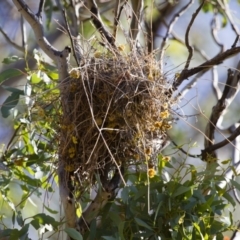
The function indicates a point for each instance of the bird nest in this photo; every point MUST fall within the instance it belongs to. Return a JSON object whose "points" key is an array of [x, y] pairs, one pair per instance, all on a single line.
{"points": [[116, 110]]}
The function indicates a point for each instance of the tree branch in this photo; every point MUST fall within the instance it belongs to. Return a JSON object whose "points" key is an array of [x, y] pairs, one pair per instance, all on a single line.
{"points": [[62, 60], [169, 30], [189, 47], [206, 65], [18, 47], [37, 28], [99, 24]]}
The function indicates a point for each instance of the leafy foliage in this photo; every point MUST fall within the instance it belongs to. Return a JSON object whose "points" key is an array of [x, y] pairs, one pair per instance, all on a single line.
{"points": [[172, 209]]}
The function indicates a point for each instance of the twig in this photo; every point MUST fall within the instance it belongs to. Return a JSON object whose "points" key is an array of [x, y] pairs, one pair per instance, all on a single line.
{"points": [[189, 47], [120, 10], [40, 8], [116, 19], [71, 39], [23, 30], [183, 151], [221, 144], [137, 6], [206, 65], [214, 31], [235, 41], [18, 47], [169, 29], [99, 24], [33, 20], [226, 10], [217, 111]]}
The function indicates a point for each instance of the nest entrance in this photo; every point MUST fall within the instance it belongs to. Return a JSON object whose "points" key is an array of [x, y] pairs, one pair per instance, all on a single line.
{"points": [[115, 111]]}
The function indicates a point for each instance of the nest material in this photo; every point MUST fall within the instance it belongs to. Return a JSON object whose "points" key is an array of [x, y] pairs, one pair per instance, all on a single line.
{"points": [[115, 111]]}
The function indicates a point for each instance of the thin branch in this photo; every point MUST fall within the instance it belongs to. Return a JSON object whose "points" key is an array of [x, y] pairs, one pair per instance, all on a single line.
{"points": [[206, 65], [71, 39], [23, 30], [221, 144], [37, 27], [217, 111], [189, 47], [99, 24], [183, 151], [116, 18], [227, 11], [18, 47], [169, 30], [120, 11], [235, 41], [214, 31], [137, 6], [40, 8]]}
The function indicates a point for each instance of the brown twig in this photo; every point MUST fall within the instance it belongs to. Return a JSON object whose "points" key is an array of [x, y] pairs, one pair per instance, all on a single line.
{"points": [[206, 65], [212, 148], [40, 8], [116, 19], [189, 47], [18, 47], [99, 24]]}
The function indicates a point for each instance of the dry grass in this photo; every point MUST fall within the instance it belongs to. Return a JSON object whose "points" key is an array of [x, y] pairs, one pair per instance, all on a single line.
{"points": [[116, 111]]}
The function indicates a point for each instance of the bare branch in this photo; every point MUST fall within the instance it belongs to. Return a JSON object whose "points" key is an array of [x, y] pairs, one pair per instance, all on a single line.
{"points": [[214, 31], [217, 111], [137, 6], [189, 47], [71, 39], [33, 20], [99, 24], [235, 41], [169, 29], [212, 148], [40, 8], [18, 47], [227, 11], [206, 65], [116, 18]]}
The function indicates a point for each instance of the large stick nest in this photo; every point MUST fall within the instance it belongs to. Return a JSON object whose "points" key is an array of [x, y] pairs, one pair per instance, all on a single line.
{"points": [[115, 111]]}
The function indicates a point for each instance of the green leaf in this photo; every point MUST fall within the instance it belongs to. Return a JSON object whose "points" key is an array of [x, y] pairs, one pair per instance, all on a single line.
{"points": [[229, 198], [73, 233], [9, 103], [50, 210], [142, 223], [13, 90], [235, 184], [43, 219], [181, 190], [11, 59], [20, 219], [9, 73]]}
